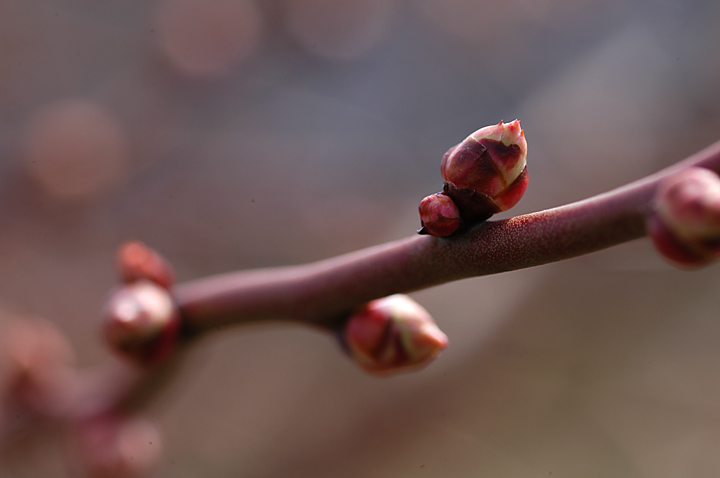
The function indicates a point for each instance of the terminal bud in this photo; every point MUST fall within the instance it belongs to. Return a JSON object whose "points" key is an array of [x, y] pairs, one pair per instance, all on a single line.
{"points": [[393, 334], [685, 224], [487, 172]]}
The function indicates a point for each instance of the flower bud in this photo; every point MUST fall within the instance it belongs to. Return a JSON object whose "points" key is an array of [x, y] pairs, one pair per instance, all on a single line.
{"points": [[141, 322], [393, 334], [685, 226], [36, 363], [111, 446], [136, 261], [487, 173], [439, 215]]}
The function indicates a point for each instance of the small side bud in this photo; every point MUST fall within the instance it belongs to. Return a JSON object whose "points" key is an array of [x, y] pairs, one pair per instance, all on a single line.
{"points": [[111, 446], [439, 215], [136, 261], [393, 334], [141, 322], [487, 172], [685, 224]]}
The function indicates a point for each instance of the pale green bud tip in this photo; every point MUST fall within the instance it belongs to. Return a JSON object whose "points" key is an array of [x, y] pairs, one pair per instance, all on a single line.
{"points": [[507, 133]]}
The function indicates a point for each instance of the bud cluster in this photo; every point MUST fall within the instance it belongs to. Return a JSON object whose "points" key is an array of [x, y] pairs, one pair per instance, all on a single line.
{"points": [[40, 386], [484, 175], [685, 223], [141, 321]]}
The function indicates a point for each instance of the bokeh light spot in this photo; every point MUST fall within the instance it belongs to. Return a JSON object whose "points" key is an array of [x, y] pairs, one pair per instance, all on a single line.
{"points": [[74, 148], [339, 29], [207, 38]]}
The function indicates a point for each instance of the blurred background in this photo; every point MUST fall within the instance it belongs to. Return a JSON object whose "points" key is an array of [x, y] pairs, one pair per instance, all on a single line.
{"points": [[233, 134]]}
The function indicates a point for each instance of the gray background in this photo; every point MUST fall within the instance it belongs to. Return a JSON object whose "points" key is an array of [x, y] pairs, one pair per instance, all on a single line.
{"points": [[282, 132]]}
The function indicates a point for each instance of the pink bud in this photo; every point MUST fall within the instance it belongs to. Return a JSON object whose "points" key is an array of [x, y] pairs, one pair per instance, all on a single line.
{"points": [[685, 226], [393, 334], [136, 261], [110, 446], [487, 173], [36, 363], [141, 322], [439, 215]]}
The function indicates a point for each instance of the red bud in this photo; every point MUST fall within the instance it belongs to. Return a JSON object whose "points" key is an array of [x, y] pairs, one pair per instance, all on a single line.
{"points": [[393, 334], [141, 322], [685, 226], [487, 173], [439, 215], [136, 261]]}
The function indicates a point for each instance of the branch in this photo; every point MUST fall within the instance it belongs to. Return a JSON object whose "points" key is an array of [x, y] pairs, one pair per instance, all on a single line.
{"points": [[323, 293], [152, 322]]}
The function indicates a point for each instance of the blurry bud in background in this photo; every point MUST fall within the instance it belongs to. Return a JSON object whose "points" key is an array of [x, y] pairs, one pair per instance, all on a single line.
{"points": [[136, 261], [339, 29], [36, 361], [208, 38], [110, 446], [141, 323], [75, 149], [393, 334], [685, 225], [487, 173], [439, 215]]}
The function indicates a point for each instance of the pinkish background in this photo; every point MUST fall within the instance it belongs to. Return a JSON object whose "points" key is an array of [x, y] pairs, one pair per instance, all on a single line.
{"points": [[233, 134]]}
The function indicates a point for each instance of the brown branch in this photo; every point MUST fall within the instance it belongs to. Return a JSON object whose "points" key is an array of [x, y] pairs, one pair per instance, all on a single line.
{"points": [[322, 293]]}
